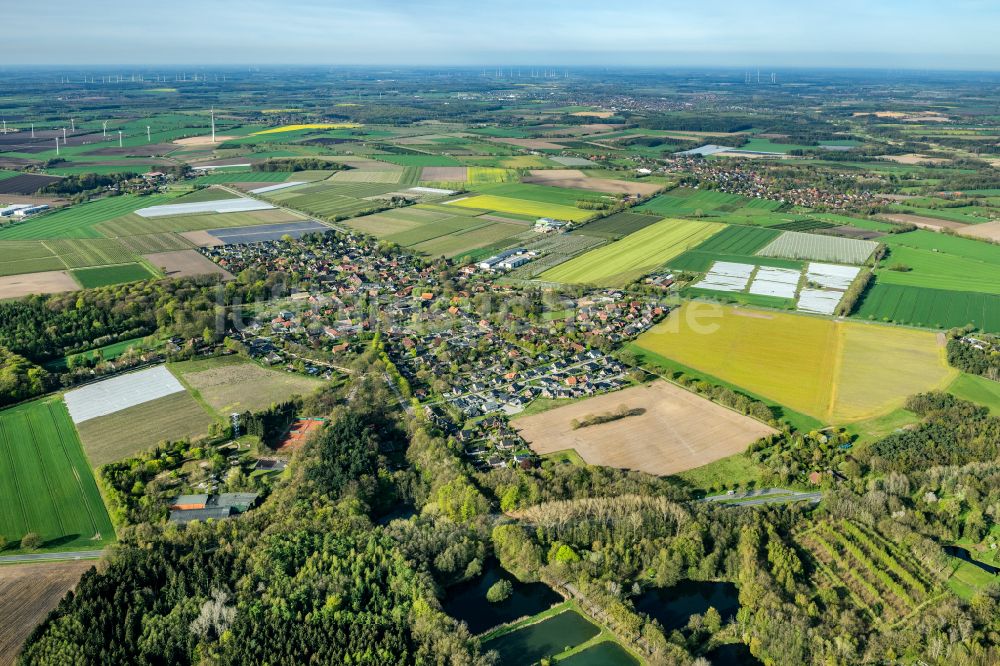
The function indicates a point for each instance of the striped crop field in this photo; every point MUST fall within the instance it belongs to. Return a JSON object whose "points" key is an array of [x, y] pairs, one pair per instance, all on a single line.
{"points": [[621, 262], [79, 221], [46, 485]]}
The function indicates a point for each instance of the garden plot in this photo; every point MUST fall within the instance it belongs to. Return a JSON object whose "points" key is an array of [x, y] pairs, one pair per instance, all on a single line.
{"points": [[727, 276], [119, 393], [797, 245], [223, 206], [780, 282], [273, 188]]}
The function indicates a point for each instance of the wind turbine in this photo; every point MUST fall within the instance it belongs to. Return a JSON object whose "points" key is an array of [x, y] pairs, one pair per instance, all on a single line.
{"points": [[32, 130], [213, 124], [147, 134], [119, 138], [4, 125], [57, 145], [64, 135], [104, 127], [72, 124]]}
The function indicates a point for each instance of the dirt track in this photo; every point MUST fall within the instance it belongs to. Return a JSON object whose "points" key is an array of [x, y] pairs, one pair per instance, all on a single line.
{"points": [[678, 430]]}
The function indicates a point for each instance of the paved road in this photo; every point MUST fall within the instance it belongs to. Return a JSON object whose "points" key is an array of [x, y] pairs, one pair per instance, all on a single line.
{"points": [[49, 557], [765, 496]]}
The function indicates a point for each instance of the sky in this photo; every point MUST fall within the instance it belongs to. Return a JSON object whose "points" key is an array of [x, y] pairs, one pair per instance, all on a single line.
{"points": [[917, 34]]}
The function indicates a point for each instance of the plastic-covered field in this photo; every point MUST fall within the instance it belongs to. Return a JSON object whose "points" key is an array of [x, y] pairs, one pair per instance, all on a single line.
{"points": [[727, 276], [830, 276], [780, 282], [114, 395], [222, 206]]}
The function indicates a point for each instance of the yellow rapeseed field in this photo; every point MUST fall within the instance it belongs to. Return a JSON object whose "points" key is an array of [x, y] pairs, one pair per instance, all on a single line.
{"points": [[835, 371], [523, 207], [293, 128]]}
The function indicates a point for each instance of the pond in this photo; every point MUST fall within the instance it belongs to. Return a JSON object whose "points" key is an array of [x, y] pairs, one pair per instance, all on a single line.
{"points": [[732, 654], [606, 653], [963, 554], [673, 606], [467, 601], [545, 639]]}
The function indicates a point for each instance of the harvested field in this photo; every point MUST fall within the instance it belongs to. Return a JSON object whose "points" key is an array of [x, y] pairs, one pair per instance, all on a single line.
{"points": [[27, 183], [576, 179], [678, 430], [385, 176], [127, 432], [29, 593], [530, 144], [232, 384], [183, 263], [851, 232], [932, 223], [202, 238], [47, 282], [440, 174], [988, 231], [203, 140]]}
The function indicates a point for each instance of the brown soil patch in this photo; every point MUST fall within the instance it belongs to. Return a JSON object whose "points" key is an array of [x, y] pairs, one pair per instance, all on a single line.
{"points": [[987, 231], [851, 232], [448, 174], [47, 282], [593, 114], [142, 151], [931, 223], [677, 431], [28, 592], [182, 263], [576, 179], [202, 238], [530, 144], [202, 140], [297, 435], [912, 158]]}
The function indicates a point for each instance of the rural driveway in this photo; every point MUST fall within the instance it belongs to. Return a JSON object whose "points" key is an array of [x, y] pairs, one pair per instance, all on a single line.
{"points": [[765, 496], [49, 557]]}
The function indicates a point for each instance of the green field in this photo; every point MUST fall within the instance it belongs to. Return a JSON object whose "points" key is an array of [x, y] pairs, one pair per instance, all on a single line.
{"points": [[734, 243], [623, 261], [940, 270], [103, 276], [979, 390], [932, 308], [46, 485], [79, 221], [616, 226]]}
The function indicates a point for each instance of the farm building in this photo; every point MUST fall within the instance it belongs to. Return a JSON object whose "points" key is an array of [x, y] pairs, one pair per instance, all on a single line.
{"points": [[507, 260], [187, 508], [544, 225]]}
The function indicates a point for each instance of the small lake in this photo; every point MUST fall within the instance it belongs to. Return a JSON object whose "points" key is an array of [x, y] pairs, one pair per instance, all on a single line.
{"points": [[545, 639], [963, 554], [467, 601], [673, 606], [732, 654], [606, 653]]}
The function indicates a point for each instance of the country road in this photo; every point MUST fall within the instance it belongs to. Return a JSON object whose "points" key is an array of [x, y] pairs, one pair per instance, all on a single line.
{"points": [[52, 557]]}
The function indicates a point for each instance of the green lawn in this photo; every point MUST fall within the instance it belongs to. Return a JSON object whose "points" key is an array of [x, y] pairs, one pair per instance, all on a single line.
{"points": [[103, 276], [46, 485], [737, 470], [979, 390]]}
